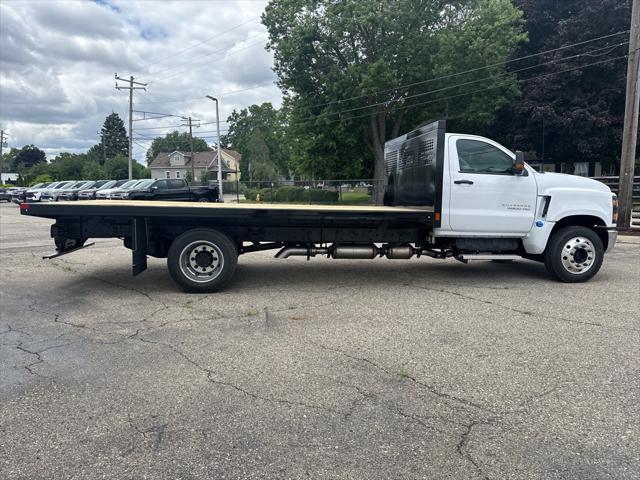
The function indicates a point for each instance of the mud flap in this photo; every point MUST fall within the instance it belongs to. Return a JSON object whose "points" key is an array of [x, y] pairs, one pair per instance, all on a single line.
{"points": [[139, 250]]}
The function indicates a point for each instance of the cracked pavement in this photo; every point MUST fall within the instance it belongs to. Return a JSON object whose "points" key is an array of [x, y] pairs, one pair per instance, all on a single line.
{"points": [[325, 369]]}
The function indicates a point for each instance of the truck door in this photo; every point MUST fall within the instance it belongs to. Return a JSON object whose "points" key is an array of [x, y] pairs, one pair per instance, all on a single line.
{"points": [[178, 190], [485, 196]]}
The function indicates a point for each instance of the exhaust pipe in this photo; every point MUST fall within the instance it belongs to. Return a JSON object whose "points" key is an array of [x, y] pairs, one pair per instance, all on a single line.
{"points": [[359, 252], [287, 252]]}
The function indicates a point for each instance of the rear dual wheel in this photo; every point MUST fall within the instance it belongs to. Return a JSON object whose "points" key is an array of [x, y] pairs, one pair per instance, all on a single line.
{"points": [[202, 260]]}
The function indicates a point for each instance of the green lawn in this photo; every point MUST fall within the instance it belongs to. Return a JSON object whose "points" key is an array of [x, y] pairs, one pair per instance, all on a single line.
{"points": [[355, 198]]}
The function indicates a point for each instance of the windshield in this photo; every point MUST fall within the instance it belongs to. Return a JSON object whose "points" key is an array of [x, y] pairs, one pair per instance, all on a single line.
{"points": [[37, 185], [80, 185], [104, 186], [100, 183], [144, 184], [128, 184], [64, 184]]}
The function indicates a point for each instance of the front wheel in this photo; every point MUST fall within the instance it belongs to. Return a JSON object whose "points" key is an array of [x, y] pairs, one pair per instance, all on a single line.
{"points": [[574, 254], [202, 260]]}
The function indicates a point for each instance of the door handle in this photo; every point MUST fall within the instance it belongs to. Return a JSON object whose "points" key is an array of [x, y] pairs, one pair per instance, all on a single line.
{"points": [[463, 182]]}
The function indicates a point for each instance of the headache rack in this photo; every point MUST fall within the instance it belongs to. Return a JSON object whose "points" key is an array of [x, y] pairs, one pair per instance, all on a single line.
{"points": [[414, 166]]}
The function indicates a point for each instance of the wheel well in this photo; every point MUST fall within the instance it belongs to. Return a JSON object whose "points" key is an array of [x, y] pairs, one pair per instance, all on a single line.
{"points": [[589, 221]]}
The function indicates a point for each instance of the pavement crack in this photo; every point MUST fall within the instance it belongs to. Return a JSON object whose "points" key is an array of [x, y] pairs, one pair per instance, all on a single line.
{"points": [[506, 307], [107, 282], [210, 375], [29, 367], [463, 451], [430, 388]]}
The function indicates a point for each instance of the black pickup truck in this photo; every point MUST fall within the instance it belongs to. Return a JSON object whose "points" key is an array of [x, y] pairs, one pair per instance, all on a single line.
{"points": [[173, 190]]}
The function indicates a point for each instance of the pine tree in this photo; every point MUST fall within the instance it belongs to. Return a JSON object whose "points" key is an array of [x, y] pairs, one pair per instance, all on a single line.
{"points": [[113, 138]]}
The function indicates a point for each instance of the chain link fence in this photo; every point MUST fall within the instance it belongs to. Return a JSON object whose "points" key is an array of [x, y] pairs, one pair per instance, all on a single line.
{"points": [[337, 192]]}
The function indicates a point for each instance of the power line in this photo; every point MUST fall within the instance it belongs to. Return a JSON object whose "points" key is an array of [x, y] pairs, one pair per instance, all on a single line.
{"points": [[471, 82], [403, 107], [180, 72], [191, 62], [218, 35], [219, 95], [444, 77]]}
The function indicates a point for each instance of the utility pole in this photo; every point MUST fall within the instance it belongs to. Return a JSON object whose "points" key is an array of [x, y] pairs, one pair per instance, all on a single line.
{"points": [[3, 137], [193, 171], [131, 88], [220, 193], [630, 133]]}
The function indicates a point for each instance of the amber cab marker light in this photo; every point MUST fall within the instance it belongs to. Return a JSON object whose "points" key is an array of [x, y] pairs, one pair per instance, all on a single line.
{"points": [[437, 216]]}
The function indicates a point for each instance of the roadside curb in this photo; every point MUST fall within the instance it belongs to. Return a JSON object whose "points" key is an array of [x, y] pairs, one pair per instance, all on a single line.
{"points": [[628, 239]]}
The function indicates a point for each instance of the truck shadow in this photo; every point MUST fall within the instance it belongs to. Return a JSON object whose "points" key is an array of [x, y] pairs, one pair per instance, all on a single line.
{"points": [[323, 274]]}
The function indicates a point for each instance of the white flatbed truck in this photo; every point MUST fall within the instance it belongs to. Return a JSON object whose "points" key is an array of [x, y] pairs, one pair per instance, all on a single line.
{"points": [[448, 195]]}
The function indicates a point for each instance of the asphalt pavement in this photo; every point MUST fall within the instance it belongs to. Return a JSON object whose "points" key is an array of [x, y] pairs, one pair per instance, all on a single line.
{"points": [[327, 369]]}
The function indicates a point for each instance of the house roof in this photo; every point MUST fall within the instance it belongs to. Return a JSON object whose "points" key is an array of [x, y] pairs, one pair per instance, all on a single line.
{"points": [[207, 160]]}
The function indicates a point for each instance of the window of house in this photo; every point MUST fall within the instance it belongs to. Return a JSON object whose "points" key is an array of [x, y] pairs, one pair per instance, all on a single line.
{"points": [[178, 174], [476, 156], [167, 174]]}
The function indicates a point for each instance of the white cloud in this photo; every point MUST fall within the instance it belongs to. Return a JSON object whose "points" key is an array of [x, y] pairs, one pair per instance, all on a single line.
{"points": [[57, 60]]}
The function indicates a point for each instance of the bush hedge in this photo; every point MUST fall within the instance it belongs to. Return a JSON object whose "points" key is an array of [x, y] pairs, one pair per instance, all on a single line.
{"points": [[291, 194]]}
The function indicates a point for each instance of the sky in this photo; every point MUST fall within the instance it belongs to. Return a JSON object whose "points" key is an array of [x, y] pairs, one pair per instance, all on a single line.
{"points": [[58, 60]]}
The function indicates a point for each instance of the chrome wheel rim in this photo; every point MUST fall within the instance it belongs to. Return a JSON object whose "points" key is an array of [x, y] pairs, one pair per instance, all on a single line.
{"points": [[201, 261], [578, 255]]}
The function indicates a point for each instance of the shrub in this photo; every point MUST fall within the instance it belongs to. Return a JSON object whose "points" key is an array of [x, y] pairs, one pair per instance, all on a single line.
{"points": [[42, 179]]}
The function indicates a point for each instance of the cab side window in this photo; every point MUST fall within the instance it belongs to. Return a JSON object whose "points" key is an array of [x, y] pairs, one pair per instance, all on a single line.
{"points": [[176, 184], [475, 156], [161, 184]]}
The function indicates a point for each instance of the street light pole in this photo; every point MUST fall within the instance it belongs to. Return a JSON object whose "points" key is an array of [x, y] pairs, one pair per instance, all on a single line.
{"points": [[220, 197]]}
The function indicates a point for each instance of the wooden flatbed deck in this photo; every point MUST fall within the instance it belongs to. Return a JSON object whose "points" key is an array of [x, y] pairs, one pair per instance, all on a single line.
{"points": [[139, 208]]}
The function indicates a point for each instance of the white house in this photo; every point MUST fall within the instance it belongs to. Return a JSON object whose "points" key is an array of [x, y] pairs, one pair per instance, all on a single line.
{"points": [[176, 164]]}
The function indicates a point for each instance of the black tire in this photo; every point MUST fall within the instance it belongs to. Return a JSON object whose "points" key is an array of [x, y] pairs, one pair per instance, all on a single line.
{"points": [[203, 199], [215, 247], [574, 254]]}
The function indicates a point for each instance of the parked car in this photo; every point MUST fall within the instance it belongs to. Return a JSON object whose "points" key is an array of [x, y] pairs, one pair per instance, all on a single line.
{"points": [[117, 193], [18, 194], [106, 193], [33, 194], [101, 185], [173, 190], [71, 193], [7, 192], [51, 194]]}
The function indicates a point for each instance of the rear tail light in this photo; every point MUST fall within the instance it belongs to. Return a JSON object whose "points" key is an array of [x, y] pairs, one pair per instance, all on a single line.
{"points": [[614, 211]]}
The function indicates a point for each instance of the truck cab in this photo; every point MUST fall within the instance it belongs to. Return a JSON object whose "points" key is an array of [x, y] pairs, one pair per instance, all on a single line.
{"points": [[487, 201]]}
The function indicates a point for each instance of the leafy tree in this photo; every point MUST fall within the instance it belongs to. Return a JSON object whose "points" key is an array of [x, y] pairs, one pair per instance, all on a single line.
{"points": [[68, 166], [9, 160], [42, 179], [188, 177], [113, 138], [28, 156], [272, 124], [327, 52], [92, 170], [175, 141], [259, 165], [573, 116], [117, 168], [95, 154], [206, 177]]}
